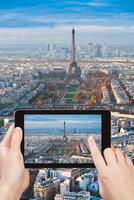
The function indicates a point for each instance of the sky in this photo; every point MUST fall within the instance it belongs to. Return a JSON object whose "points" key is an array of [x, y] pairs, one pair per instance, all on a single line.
{"points": [[51, 21], [57, 121]]}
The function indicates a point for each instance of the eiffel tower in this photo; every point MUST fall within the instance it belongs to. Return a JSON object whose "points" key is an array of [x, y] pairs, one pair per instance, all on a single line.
{"points": [[74, 72], [65, 135]]}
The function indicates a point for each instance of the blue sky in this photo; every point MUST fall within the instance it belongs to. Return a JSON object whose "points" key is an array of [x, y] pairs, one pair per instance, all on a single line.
{"points": [[37, 21], [57, 121]]}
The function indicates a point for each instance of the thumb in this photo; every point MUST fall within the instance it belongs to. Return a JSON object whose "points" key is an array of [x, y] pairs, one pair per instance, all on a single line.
{"points": [[16, 140]]}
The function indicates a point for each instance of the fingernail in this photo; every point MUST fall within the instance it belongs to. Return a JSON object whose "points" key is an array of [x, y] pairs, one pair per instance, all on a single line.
{"points": [[18, 130], [118, 150], [90, 138]]}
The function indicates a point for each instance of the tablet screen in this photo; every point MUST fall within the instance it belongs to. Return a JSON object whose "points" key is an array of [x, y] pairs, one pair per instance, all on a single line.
{"points": [[60, 138]]}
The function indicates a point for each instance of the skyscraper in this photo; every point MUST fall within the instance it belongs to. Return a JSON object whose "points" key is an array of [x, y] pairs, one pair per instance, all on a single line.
{"points": [[98, 51], [91, 50]]}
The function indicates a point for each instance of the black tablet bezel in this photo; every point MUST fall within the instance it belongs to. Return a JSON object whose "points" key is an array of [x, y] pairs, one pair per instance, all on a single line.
{"points": [[105, 137]]}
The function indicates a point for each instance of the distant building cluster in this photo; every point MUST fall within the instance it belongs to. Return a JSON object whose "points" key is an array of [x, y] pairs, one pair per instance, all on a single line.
{"points": [[97, 50], [62, 51]]}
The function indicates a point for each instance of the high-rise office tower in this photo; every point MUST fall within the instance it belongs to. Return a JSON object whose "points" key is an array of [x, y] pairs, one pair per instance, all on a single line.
{"points": [[98, 50], [91, 50]]}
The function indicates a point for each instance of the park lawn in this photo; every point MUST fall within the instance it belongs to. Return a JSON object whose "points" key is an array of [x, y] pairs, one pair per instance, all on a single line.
{"points": [[70, 95]]}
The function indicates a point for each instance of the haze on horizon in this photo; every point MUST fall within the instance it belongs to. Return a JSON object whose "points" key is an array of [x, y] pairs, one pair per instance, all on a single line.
{"points": [[49, 121]]}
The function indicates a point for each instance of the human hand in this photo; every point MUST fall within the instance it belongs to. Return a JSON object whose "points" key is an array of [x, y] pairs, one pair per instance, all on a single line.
{"points": [[116, 173], [14, 178]]}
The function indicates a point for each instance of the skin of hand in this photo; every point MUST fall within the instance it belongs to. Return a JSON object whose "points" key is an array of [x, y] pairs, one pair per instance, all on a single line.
{"points": [[115, 171], [14, 178]]}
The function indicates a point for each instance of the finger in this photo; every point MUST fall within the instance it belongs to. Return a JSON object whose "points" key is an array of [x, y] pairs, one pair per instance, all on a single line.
{"points": [[100, 186], [97, 157], [119, 156], [7, 138], [110, 157], [16, 140], [24, 184], [26, 179], [129, 161]]}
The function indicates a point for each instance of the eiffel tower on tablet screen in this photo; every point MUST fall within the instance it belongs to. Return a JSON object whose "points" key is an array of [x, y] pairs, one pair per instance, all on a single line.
{"points": [[74, 72], [65, 133]]}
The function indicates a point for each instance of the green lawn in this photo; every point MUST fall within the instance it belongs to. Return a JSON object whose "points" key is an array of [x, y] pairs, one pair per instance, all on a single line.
{"points": [[70, 95]]}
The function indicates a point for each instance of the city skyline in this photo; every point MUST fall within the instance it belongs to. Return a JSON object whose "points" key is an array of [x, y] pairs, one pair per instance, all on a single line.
{"points": [[40, 21], [57, 121]]}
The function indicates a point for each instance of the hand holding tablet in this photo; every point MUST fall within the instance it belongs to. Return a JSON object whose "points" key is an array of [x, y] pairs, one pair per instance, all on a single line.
{"points": [[114, 170], [60, 138], [115, 173]]}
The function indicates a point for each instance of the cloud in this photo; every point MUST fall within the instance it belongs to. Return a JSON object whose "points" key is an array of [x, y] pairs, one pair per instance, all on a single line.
{"points": [[91, 3], [43, 23], [66, 12], [62, 34], [6, 17], [98, 4], [14, 19]]}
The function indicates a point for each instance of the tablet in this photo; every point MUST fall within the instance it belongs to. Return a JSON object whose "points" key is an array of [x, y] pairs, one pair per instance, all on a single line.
{"points": [[59, 138]]}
